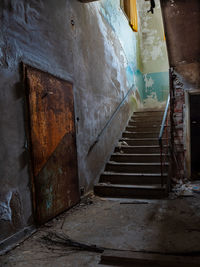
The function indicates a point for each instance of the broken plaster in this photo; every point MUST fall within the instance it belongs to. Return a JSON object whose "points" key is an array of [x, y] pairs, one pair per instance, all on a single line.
{"points": [[5, 210]]}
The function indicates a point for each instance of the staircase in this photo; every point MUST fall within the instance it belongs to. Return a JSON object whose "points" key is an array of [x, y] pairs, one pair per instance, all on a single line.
{"points": [[134, 169]]}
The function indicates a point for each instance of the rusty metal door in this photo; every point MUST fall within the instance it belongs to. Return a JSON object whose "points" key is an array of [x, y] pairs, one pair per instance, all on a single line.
{"points": [[53, 143]]}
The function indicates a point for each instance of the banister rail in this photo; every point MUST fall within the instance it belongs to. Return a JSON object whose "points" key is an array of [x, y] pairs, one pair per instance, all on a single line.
{"points": [[109, 121], [164, 120], [162, 129]]}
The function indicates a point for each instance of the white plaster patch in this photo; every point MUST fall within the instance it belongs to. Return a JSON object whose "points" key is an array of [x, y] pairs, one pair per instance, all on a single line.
{"points": [[148, 81], [5, 210], [157, 51], [152, 102]]}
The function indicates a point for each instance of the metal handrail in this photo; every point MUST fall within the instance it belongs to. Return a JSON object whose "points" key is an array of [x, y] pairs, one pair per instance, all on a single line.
{"points": [[160, 137], [164, 120], [109, 121]]}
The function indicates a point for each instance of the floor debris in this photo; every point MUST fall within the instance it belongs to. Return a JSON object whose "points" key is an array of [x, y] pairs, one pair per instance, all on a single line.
{"points": [[165, 227], [183, 189], [64, 241], [122, 143]]}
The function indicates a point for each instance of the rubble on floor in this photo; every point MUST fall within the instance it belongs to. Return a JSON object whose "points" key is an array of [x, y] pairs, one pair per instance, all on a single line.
{"points": [[185, 189]]}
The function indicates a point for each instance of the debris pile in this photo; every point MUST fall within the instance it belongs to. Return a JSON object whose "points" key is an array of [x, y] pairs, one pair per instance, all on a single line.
{"points": [[185, 189], [120, 145]]}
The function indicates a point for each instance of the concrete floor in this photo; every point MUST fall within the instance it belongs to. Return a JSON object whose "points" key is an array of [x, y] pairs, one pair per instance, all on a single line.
{"points": [[161, 226]]}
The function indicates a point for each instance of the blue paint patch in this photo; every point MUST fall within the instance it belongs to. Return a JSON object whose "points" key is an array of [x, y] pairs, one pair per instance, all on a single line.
{"points": [[49, 197]]}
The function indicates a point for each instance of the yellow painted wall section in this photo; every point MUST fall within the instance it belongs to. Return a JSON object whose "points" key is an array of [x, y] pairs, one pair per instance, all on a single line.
{"points": [[133, 15]]}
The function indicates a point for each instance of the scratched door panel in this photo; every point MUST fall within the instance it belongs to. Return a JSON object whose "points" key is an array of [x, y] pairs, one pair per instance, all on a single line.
{"points": [[53, 142]]}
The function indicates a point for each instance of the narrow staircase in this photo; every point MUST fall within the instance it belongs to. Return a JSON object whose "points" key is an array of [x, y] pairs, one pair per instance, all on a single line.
{"points": [[134, 168]]}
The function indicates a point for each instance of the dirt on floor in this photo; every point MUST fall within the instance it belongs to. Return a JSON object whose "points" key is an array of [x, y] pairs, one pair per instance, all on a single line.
{"points": [[163, 226]]}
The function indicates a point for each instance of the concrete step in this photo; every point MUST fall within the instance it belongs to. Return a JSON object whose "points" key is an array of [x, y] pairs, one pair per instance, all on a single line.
{"points": [[141, 124], [143, 129], [143, 141], [134, 135], [135, 167], [132, 178], [139, 149], [130, 191], [136, 158], [152, 113], [138, 118], [148, 121]]}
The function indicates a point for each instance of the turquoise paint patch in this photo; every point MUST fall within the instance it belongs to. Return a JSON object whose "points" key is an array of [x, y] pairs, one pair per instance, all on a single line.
{"points": [[159, 89]]}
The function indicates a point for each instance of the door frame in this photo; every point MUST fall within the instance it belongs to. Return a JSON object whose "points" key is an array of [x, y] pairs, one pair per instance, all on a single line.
{"points": [[187, 130]]}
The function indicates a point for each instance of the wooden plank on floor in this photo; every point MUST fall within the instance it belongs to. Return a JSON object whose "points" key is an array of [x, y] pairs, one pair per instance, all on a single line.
{"points": [[124, 258]]}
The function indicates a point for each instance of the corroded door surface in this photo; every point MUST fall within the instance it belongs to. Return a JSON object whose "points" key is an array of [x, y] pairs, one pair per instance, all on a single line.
{"points": [[53, 143]]}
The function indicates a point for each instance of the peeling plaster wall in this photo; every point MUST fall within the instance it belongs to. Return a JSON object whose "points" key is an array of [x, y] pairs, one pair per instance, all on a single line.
{"points": [[153, 55], [117, 20], [85, 44]]}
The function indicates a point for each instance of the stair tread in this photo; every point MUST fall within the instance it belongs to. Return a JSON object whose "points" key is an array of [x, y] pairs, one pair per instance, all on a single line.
{"points": [[141, 139], [145, 114], [155, 186], [149, 116], [139, 132], [137, 164], [153, 146], [136, 154], [143, 126], [133, 174], [156, 120], [148, 111]]}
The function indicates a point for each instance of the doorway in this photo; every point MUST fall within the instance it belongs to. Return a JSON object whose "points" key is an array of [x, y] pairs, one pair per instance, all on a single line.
{"points": [[195, 135], [52, 143]]}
